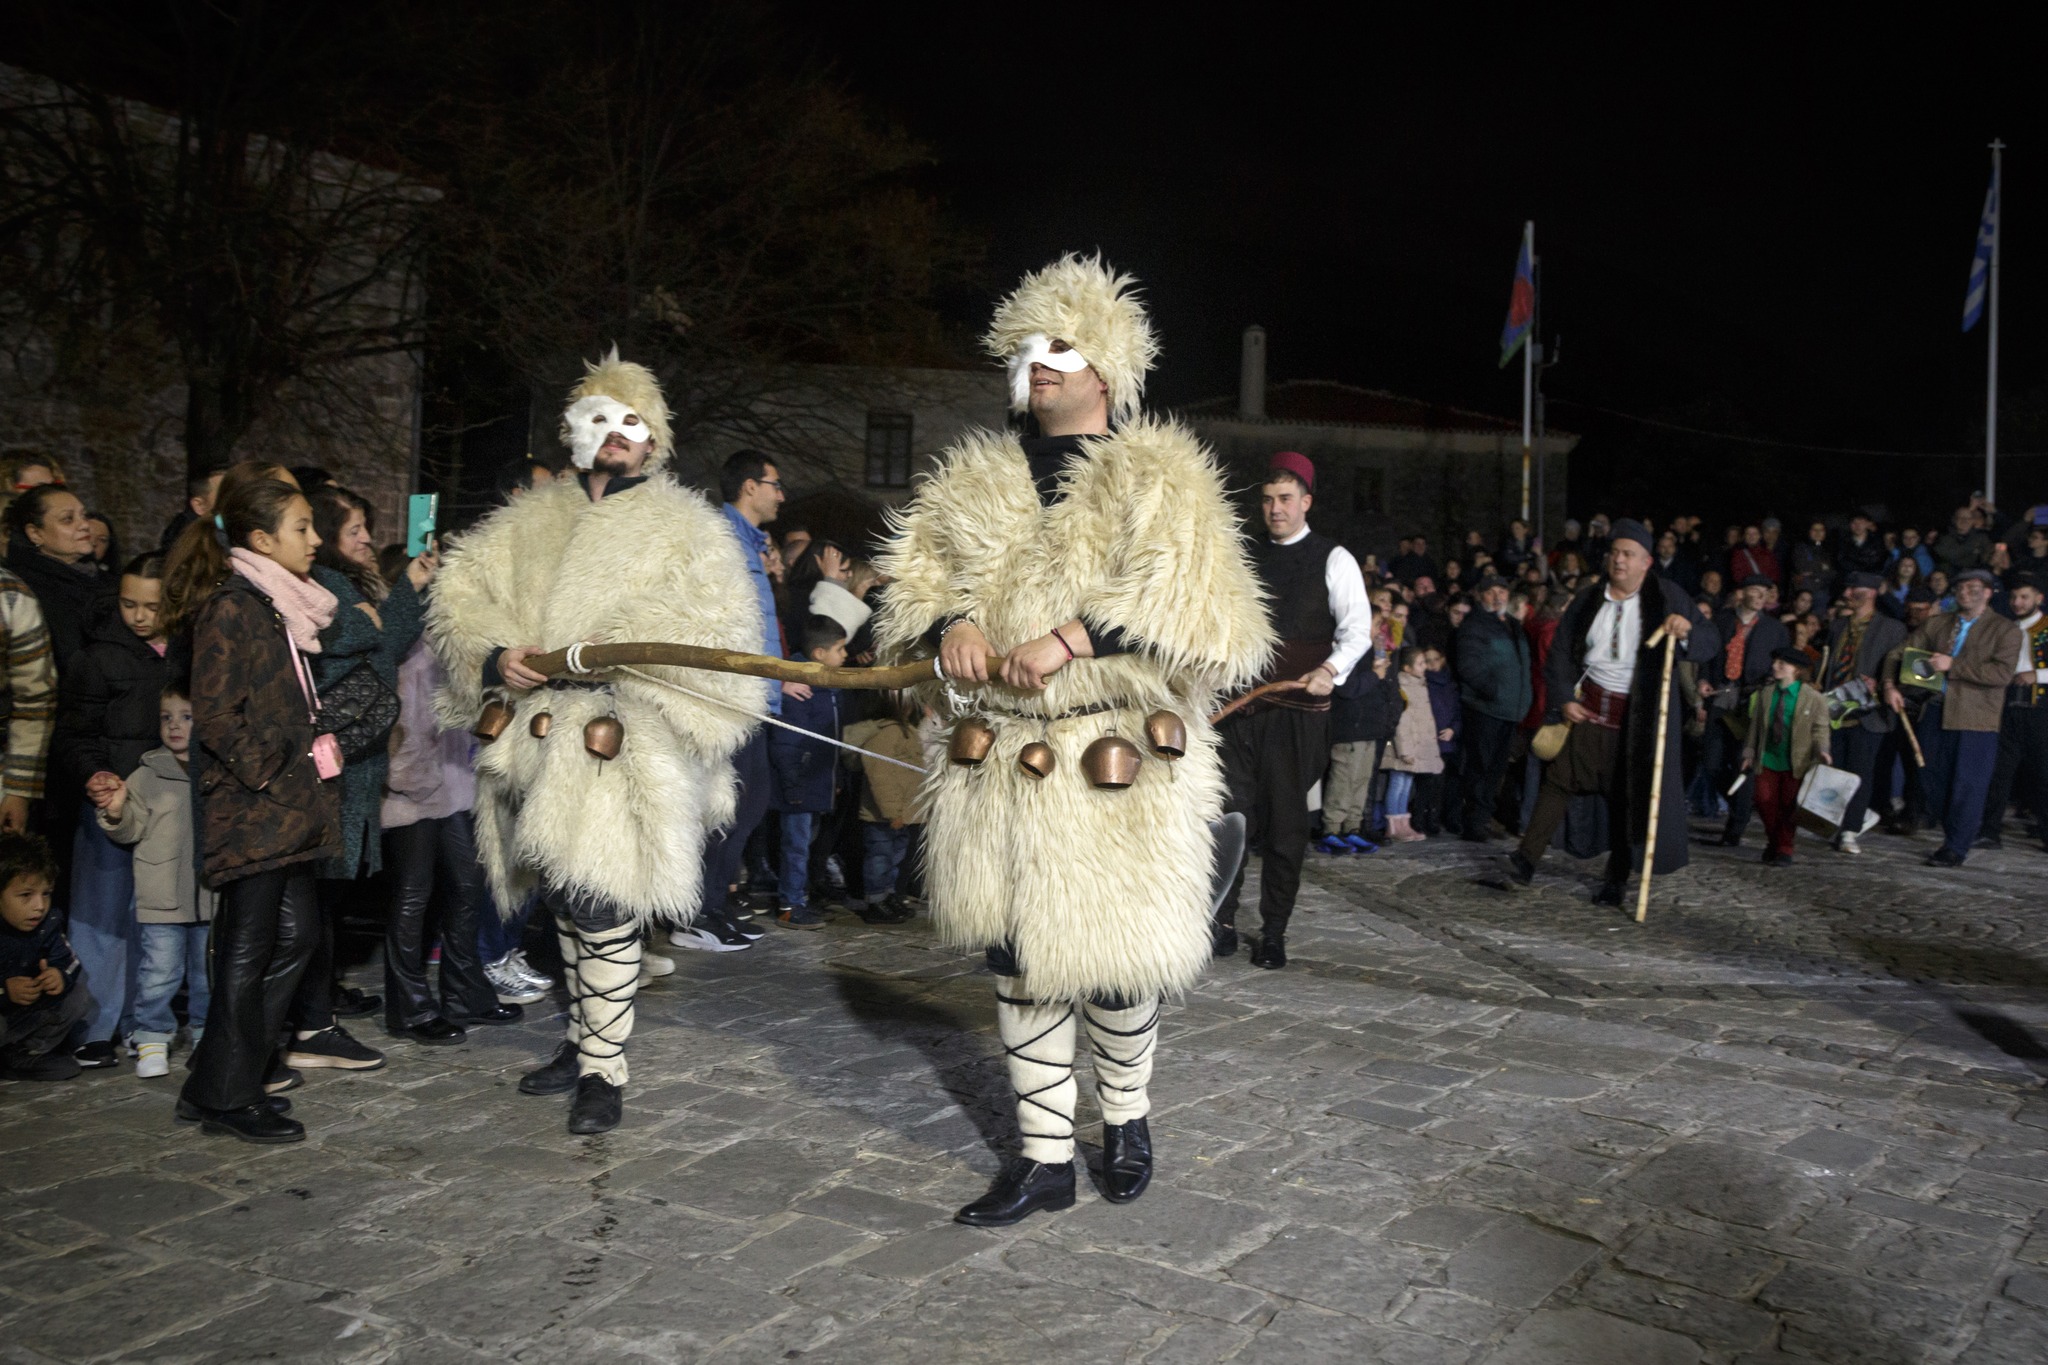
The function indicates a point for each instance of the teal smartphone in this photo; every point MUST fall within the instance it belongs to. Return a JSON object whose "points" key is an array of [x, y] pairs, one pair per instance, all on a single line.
{"points": [[421, 511]]}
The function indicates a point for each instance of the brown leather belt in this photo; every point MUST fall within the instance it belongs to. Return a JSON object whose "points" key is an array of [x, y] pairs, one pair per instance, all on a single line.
{"points": [[1607, 708]]}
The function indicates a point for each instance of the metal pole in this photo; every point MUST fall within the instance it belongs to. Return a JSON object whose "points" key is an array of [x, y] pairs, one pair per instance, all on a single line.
{"points": [[1542, 459], [1529, 361], [1991, 382]]}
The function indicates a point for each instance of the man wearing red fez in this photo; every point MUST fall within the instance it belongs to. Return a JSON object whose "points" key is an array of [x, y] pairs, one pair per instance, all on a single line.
{"points": [[1275, 749]]}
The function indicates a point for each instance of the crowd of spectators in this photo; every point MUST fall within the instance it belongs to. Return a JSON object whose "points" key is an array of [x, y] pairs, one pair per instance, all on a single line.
{"points": [[1446, 664]]}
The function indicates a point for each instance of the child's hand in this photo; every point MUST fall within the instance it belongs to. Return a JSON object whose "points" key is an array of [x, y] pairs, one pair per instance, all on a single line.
{"points": [[115, 801], [23, 990], [49, 980], [99, 785]]}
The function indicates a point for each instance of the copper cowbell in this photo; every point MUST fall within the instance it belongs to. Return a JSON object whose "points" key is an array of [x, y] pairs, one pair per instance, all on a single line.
{"points": [[972, 739], [1111, 763], [496, 717], [1036, 760], [1166, 735], [604, 737]]}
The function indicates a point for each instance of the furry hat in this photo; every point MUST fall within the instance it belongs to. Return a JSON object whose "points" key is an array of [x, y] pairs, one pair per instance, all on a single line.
{"points": [[636, 387], [1095, 310]]}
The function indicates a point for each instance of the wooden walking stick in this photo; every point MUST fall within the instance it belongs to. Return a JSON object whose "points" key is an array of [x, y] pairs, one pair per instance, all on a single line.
{"points": [[1657, 773], [1906, 722]]}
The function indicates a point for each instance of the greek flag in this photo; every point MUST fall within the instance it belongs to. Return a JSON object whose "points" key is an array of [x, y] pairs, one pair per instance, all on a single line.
{"points": [[1980, 264]]}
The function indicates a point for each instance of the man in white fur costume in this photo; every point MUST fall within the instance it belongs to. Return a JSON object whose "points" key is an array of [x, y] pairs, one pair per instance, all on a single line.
{"points": [[621, 552], [1104, 562]]}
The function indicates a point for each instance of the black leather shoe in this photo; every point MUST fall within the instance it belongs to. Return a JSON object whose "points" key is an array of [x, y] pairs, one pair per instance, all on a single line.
{"points": [[1944, 857], [598, 1105], [1608, 894], [556, 1078], [189, 1112], [1270, 952], [1126, 1160], [1730, 839], [1521, 871], [351, 1003], [1023, 1188], [1223, 940], [252, 1123], [496, 1014], [434, 1032]]}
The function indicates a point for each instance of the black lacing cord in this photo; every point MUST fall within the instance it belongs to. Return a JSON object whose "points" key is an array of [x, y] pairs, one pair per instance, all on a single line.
{"points": [[1066, 1066], [1148, 1031], [618, 1000]]}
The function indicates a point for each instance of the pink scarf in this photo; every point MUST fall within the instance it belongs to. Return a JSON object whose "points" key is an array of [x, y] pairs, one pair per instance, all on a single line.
{"points": [[307, 607]]}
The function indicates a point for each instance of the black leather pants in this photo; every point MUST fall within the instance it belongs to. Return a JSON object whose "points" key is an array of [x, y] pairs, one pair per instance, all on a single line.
{"points": [[419, 859], [263, 936]]}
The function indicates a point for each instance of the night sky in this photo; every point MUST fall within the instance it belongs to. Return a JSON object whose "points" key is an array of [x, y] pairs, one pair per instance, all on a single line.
{"points": [[1756, 227]]}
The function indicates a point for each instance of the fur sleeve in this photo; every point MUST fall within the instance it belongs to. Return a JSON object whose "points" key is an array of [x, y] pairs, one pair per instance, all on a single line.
{"points": [[1179, 582], [491, 589], [921, 589]]}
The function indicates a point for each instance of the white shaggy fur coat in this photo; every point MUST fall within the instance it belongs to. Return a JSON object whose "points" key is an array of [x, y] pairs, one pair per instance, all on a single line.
{"points": [[655, 562], [1097, 891]]}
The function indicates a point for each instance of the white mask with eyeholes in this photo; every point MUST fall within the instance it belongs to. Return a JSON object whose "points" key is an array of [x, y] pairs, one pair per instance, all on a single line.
{"points": [[589, 420], [1036, 349]]}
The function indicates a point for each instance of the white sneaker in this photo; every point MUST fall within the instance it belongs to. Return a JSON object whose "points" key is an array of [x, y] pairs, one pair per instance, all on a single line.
{"points": [[654, 964], [516, 960], [153, 1059], [1847, 844], [511, 987]]}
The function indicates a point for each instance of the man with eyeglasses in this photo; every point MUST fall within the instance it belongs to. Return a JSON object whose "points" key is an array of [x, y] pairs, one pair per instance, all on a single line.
{"points": [[753, 493]]}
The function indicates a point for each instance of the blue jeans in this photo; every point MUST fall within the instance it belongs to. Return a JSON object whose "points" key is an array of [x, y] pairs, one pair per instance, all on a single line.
{"points": [[103, 929], [172, 955], [882, 850], [796, 857], [1400, 786]]}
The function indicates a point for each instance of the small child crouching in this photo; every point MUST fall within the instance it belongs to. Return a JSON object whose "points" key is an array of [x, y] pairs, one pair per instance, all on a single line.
{"points": [[45, 994], [888, 807], [151, 812]]}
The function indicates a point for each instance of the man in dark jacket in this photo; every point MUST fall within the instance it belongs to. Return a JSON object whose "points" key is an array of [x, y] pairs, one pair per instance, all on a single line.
{"points": [[1857, 646], [1862, 551], [1494, 683], [1604, 677], [1748, 636], [803, 770]]}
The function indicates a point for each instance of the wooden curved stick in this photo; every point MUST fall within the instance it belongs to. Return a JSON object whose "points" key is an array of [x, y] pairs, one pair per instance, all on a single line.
{"points": [[555, 664], [1289, 685]]}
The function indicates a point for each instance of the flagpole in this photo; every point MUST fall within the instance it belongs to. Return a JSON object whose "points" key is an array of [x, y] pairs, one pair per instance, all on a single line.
{"points": [[1529, 361], [1991, 375]]}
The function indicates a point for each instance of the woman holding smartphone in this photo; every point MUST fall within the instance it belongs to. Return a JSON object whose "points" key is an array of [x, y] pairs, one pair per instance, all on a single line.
{"points": [[268, 810]]}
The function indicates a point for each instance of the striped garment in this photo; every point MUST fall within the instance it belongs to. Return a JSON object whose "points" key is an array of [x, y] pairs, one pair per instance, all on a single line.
{"points": [[28, 689]]}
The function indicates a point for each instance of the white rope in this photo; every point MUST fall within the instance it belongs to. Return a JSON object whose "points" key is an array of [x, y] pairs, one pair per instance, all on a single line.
{"points": [[574, 659]]}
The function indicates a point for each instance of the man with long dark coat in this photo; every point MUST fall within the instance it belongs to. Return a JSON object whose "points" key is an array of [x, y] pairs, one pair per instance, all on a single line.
{"points": [[1602, 676]]}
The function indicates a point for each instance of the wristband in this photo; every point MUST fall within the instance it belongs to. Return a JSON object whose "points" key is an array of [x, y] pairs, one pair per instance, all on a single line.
{"points": [[1063, 643]]}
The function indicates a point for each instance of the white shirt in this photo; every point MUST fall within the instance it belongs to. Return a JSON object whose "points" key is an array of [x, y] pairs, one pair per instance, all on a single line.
{"points": [[1616, 636], [1345, 583], [2026, 663]]}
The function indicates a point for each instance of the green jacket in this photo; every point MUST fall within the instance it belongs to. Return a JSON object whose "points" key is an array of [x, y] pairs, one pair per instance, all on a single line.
{"points": [[1809, 727]]}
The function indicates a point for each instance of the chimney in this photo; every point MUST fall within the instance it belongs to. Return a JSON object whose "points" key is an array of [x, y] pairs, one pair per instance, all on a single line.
{"points": [[1251, 374]]}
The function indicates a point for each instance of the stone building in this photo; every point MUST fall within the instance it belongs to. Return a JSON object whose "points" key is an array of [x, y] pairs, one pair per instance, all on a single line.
{"points": [[1386, 466]]}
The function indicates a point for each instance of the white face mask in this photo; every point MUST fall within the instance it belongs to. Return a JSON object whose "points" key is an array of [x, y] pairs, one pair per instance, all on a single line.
{"points": [[1036, 349], [591, 419]]}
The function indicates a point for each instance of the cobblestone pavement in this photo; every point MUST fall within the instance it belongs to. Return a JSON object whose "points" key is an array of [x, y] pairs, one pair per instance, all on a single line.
{"points": [[1796, 1115]]}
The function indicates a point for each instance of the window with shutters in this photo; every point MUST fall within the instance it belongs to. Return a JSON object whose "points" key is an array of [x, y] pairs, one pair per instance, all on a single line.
{"points": [[888, 450]]}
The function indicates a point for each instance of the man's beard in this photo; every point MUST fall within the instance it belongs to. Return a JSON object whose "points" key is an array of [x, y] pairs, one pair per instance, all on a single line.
{"points": [[612, 463]]}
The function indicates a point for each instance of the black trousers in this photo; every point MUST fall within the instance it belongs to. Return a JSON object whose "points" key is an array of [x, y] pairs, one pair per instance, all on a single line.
{"points": [[420, 859], [1270, 760], [1856, 751], [1721, 751], [263, 935], [2022, 759], [1589, 765], [1895, 751], [1485, 747], [724, 849]]}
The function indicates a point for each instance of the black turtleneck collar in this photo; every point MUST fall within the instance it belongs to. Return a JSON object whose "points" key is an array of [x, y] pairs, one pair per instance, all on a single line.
{"points": [[1048, 456], [616, 484]]}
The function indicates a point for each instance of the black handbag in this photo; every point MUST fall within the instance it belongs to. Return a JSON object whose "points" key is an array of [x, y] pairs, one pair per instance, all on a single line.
{"points": [[359, 710]]}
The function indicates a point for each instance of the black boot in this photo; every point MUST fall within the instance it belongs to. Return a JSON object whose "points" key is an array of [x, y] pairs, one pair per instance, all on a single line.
{"points": [[598, 1105], [1521, 871], [1126, 1160], [189, 1112], [1024, 1187], [1270, 951], [1610, 893], [1223, 940], [556, 1078]]}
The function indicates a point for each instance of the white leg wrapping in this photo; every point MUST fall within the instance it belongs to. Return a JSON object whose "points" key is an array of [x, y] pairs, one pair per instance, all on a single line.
{"points": [[1038, 1043], [1122, 1043], [571, 945], [602, 985]]}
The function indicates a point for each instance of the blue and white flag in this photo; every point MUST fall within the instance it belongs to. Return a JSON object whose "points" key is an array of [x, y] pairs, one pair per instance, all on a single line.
{"points": [[1980, 264]]}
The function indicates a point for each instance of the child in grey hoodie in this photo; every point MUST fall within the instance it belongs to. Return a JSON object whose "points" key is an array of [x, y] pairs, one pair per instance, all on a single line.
{"points": [[152, 813]]}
